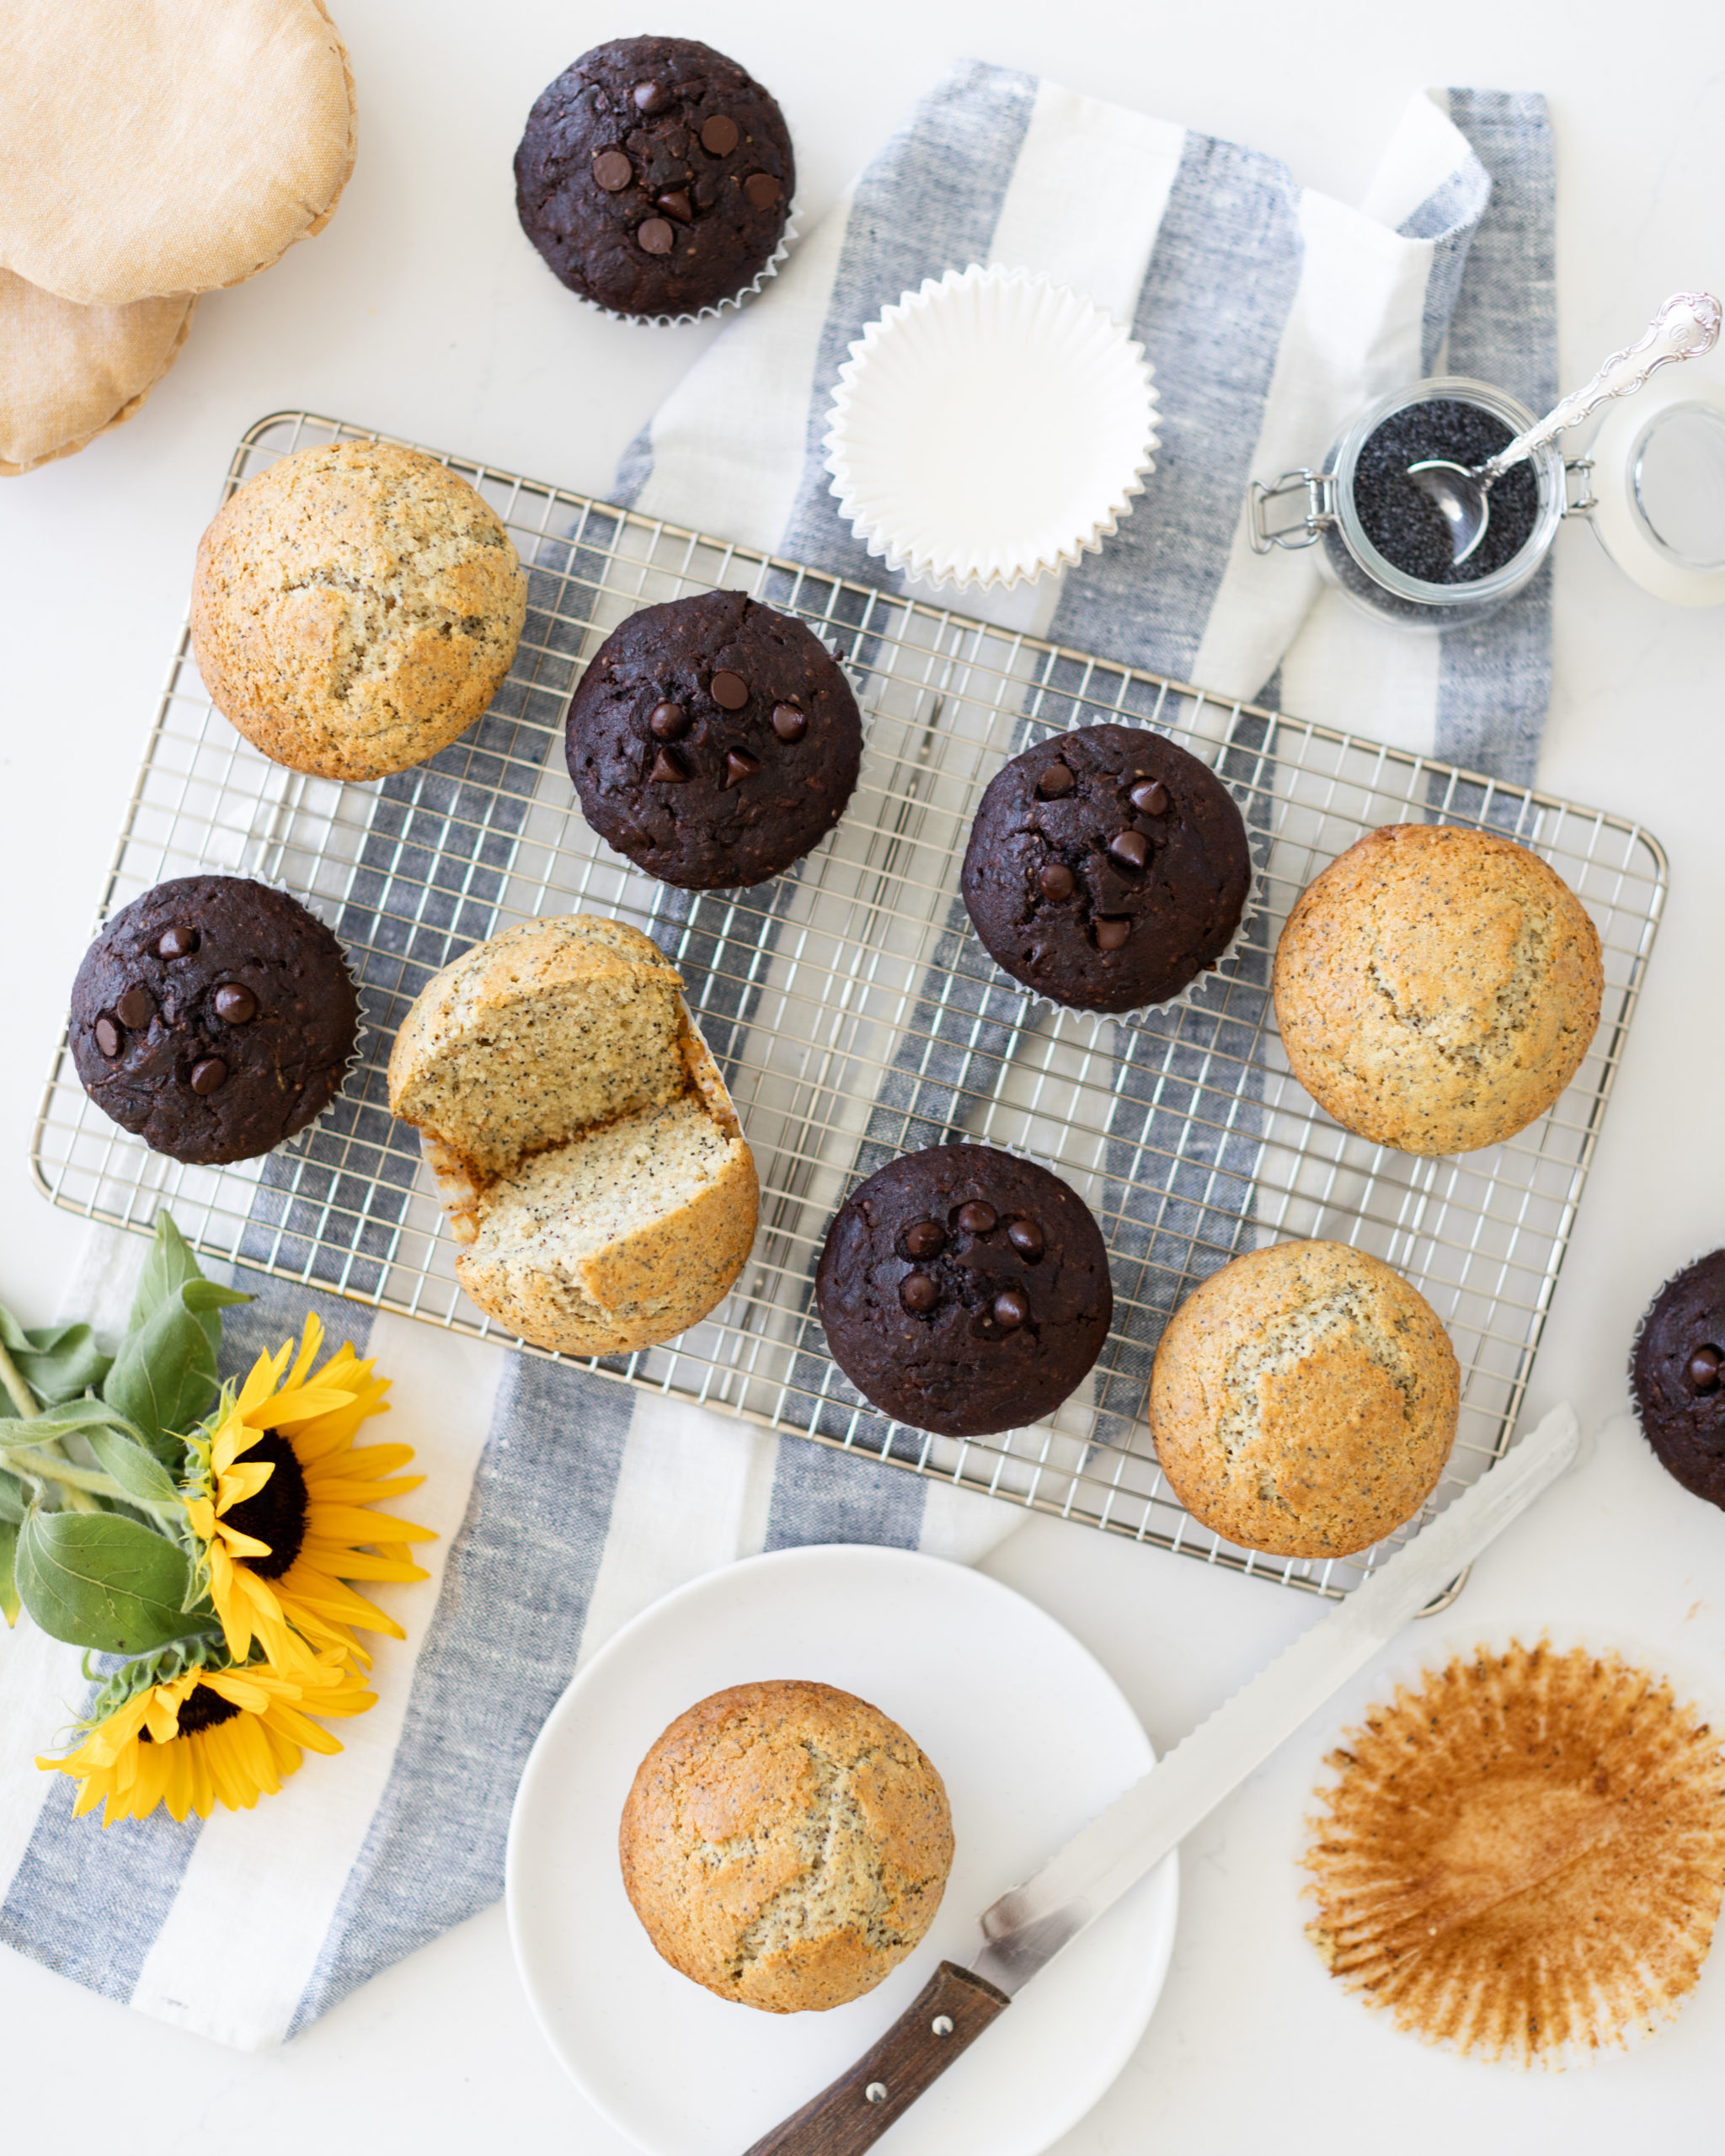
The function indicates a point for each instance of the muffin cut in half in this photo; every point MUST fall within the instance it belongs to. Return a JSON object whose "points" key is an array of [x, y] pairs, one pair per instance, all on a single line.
{"points": [[585, 1146]]}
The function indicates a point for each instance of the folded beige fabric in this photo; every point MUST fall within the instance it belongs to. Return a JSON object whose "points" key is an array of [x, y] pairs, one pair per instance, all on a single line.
{"points": [[166, 145], [68, 373]]}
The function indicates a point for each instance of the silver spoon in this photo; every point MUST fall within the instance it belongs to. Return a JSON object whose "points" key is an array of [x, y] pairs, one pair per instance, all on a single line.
{"points": [[1684, 328]]}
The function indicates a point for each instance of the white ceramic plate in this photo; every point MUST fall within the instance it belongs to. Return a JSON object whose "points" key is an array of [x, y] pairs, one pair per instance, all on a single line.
{"points": [[1032, 1738]]}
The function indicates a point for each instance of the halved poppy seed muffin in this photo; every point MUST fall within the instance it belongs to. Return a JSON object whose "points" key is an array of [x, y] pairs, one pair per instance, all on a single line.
{"points": [[583, 1144]]}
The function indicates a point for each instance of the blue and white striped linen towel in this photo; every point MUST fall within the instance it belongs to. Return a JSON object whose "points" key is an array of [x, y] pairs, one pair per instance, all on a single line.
{"points": [[564, 1502]]}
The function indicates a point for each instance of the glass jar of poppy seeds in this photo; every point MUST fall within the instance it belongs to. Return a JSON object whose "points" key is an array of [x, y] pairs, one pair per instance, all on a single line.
{"points": [[1384, 542]]}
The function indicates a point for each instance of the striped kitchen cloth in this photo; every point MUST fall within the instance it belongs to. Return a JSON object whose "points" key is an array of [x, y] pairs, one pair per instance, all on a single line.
{"points": [[565, 1502]]}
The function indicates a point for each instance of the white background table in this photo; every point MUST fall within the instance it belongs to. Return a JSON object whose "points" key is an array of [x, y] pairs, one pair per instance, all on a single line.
{"points": [[424, 312]]}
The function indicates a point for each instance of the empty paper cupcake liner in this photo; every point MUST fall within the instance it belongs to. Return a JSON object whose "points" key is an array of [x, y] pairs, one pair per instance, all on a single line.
{"points": [[990, 429], [1607, 2010]]}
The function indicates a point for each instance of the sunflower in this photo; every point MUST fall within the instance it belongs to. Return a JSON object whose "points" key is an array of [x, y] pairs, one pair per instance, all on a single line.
{"points": [[210, 1736], [277, 1498]]}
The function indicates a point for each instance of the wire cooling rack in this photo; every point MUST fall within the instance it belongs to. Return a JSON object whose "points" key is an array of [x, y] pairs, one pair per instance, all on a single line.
{"points": [[856, 1016]]}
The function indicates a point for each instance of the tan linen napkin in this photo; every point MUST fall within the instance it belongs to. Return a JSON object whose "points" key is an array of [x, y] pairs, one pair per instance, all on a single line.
{"points": [[166, 145], [68, 373]]}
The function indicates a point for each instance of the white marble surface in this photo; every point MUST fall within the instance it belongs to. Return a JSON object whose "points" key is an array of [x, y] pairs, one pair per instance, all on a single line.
{"points": [[422, 311]]}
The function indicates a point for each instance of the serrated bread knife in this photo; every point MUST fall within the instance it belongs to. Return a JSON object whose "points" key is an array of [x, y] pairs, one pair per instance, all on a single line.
{"points": [[1023, 1931]]}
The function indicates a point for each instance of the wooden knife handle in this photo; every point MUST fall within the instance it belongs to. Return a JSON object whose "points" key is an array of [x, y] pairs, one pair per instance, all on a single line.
{"points": [[954, 2007]]}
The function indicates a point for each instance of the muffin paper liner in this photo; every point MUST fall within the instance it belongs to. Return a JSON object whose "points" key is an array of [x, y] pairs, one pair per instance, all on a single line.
{"points": [[714, 310], [1408, 1666], [985, 383]]}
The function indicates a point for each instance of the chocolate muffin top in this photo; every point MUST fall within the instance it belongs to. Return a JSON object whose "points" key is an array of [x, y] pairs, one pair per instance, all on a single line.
{"points": [[213, 1017], [1107, 869], [712, 741], [1678, 1375], [654, 176], [965, 1290]]}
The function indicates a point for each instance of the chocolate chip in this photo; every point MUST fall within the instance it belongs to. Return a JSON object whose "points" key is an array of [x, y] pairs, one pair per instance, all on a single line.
{"points": [[650, 97], [668, 722], [1026, 1238], [677, 205], [176, 942], [738, 765], [1150, 797], [235, 1003], [789, 723], [977, 1218], [656, 235], [1011, 1309], [924, 1239], [1704, 1369], [719, 136], [107, 1035], [136, 1009], [1054, 782], [208, 1075], [918, 1292], [612, 171], [1111, 931], [1056, 881], [729, 691], [761, 190], [667, 769], [1131, 849]]}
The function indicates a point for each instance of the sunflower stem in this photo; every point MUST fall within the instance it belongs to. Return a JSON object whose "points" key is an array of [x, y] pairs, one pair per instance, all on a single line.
{"points": [[13, 1379], [51, 1467]]}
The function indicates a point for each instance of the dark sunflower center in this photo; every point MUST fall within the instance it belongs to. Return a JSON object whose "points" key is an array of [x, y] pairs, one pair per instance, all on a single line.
{"points": [[277, 1514], [202, 1708]]}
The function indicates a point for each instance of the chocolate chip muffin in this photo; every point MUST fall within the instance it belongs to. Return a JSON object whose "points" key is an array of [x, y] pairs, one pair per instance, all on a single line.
{"points": [[213, 1017], [714, 741], [654, 177], [354, 608], [1678, 1376], [1304, 1401], [964, 1291], [786, 1845], [1437, 989], [1107, 869]]}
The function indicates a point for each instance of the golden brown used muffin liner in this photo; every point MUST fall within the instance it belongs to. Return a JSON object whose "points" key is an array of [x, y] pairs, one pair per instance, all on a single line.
{"points": [[1522, 1853]]}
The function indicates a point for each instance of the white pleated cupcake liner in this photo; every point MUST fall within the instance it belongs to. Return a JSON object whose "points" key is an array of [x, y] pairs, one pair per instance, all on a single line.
{"points": [[1183, 999], [966, 328], [1416, 1658], [714, 310]]}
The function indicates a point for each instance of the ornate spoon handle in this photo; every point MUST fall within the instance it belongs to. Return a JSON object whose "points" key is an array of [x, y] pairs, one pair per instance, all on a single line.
{"points": [[1684, 328]]}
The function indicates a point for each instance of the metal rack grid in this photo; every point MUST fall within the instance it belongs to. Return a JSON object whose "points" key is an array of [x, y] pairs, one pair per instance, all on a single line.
{"points": [[856, 1016]]}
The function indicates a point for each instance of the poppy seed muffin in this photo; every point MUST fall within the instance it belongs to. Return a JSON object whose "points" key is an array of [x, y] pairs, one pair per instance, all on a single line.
{"points": [[712, 742], [1678, 1377], [213, 1017], [583, 1146], [354, 608], [1107, 869], [1437, 989], [654, 177], [1303, 1401], [786, 1845], [965, 1290]]}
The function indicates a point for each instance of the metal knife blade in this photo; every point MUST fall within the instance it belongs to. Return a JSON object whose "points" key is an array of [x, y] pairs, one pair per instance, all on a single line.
{"points": [[1028, 1926]]}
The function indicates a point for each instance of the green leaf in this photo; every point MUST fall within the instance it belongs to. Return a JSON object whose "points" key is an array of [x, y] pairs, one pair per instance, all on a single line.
{"points": [[169, 1267], [12, 1505], [57, 1362], [74, 1419], [136, 1469], [103, 1582], [164, 1378], [9, 1603]]}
